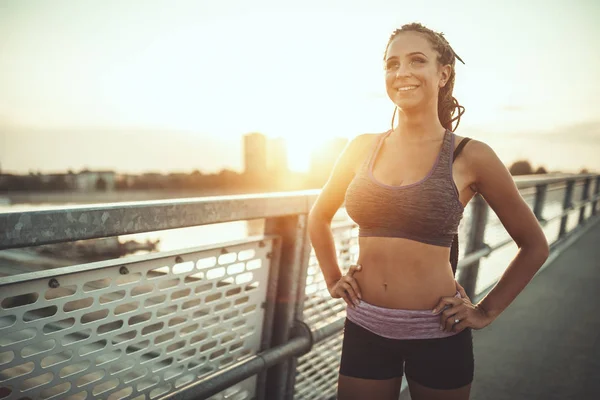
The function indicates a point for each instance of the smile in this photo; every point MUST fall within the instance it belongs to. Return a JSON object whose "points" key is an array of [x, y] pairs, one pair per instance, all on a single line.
{"points": [[407, 88]]}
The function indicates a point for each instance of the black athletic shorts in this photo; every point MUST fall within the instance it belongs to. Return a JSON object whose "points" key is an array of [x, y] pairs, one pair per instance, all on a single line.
{"points": [[444, 363]]}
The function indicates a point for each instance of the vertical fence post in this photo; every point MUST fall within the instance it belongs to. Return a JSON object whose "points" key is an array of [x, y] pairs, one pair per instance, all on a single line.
{"points": [[269, 306], [540, 200], [596, 193], [468, 276], [293, 234], [584, 196], [299, 312], [566, 206]]}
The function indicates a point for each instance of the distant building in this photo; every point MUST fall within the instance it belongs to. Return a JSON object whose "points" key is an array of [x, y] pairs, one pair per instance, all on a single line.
{"points": [[255, 154], [59, 181], [95, 180], [152, 175], [126, 180]]}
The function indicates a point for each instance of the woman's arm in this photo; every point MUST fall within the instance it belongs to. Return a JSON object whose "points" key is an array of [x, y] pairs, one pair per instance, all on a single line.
{"points": [[494, 182], [328, 202]]}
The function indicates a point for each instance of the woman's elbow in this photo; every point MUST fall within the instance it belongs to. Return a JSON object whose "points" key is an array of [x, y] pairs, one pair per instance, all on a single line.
{"points": [[538, 245], [316, 218], [544, 248]]}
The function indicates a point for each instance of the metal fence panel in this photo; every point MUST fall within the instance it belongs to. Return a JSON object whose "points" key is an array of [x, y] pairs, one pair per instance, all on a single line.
{"points": [[244, 390], [319, 307], [136, 330], [317, 371]]}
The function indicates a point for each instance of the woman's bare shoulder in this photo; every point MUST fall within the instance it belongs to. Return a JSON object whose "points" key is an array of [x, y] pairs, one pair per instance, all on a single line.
{"points": [[361, 144], [458, 139], [476, 150], [479, 158], [469, 159], [365, 138], [471, 148]]}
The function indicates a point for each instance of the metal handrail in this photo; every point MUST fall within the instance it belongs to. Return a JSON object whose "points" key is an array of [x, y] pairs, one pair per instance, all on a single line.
{"points": [[524, 181], [34, 228], [491, 248]]}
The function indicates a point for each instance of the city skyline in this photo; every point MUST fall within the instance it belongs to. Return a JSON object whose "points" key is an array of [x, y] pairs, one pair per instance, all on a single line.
{"points": [[581, 136], [260, 154]]}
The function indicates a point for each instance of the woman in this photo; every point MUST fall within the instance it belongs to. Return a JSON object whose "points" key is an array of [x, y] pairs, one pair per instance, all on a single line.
{"points": [[406, 313]]}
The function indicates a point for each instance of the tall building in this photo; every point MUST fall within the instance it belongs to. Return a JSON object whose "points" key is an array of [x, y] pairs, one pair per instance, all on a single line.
{"points": [[255, 155]]}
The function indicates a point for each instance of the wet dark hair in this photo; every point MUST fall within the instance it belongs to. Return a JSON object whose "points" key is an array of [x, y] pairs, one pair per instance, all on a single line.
{"points": [[447, 104]]}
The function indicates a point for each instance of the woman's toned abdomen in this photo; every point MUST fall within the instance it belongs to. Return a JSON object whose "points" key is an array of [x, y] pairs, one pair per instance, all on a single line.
{"points": [[401, 273]]}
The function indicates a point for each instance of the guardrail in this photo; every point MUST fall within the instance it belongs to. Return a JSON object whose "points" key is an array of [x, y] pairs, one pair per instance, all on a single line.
{"points": [[245, 319]]}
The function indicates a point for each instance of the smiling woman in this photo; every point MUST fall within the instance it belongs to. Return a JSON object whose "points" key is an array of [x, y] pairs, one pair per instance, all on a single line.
{"points": [[407, 189]]}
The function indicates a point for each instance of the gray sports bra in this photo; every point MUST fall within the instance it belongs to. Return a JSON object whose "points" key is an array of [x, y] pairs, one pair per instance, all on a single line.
{"points": [[426, 211]]}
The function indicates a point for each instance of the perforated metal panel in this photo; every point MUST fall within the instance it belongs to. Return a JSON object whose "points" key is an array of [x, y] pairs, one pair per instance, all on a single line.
{"points": [[464, 229], [138, 330], [319, 307], [317, 371], [244, 390]]}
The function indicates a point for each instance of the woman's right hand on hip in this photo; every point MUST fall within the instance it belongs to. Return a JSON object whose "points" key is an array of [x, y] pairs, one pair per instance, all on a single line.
{"points": [[347, 287]]}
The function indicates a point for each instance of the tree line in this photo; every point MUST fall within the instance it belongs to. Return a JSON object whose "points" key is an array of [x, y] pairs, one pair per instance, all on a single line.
{"points": [[225, 179]]}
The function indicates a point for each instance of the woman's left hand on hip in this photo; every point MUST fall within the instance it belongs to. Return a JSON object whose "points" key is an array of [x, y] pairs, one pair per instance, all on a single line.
{"points": [[462, 310]]}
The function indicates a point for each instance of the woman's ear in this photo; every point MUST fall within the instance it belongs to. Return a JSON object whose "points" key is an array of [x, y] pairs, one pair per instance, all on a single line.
{"points": [[445, 75]]}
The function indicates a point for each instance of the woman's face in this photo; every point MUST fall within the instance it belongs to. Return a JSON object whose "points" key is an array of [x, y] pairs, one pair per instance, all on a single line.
{"points": [[413, 76]]}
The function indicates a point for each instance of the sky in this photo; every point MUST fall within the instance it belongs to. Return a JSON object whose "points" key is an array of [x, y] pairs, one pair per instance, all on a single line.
{"points": [[173, 85]]}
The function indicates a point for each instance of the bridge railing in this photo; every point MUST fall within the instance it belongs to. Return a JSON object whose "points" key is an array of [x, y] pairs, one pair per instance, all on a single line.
{"points": [[245, 319]]}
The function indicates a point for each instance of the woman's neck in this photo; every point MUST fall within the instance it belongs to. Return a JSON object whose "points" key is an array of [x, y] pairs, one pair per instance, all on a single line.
{"points": [[418, 127]]}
